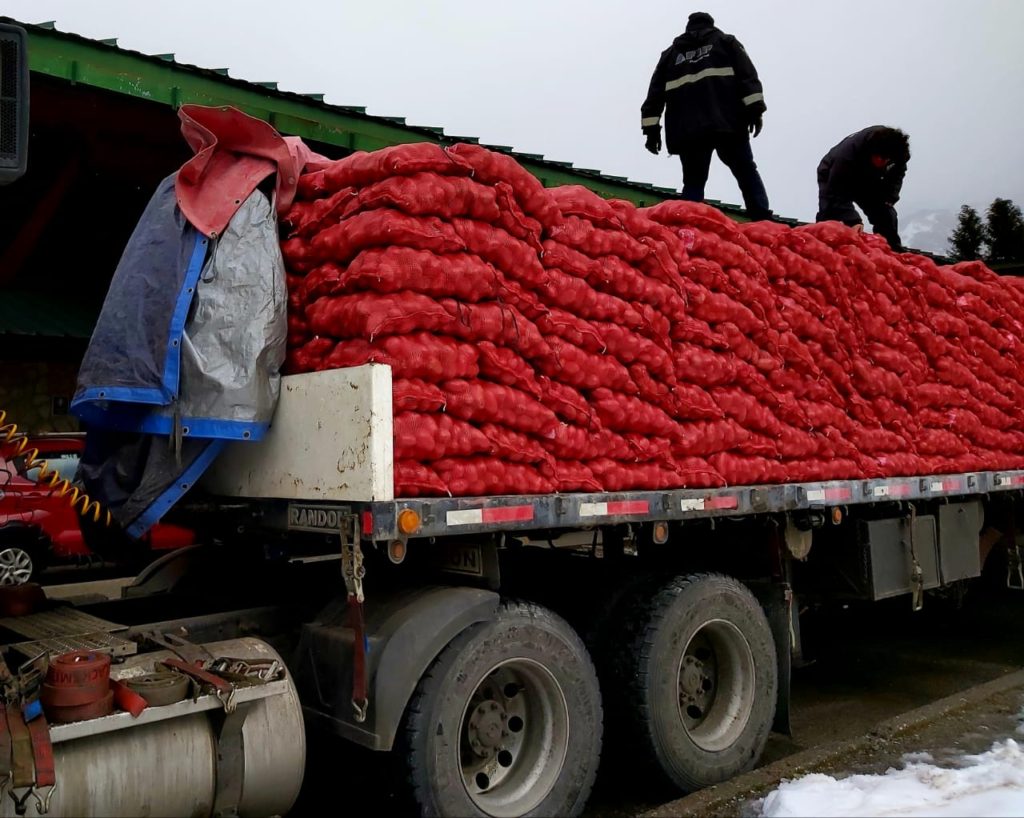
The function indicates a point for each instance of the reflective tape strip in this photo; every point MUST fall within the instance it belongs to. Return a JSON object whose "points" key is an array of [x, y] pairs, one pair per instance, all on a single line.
{"points": [[497, 514], [708, 503], [821, 495], [1010, 480], [891, 490], [508, 514], [946, 485], [469, 516], [614, 507], [700, 75], [648, 121], [753, 98]]}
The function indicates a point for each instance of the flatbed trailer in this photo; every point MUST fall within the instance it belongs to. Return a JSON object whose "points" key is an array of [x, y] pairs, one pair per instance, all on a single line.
{"points": [[680, 606], [476, 638]]}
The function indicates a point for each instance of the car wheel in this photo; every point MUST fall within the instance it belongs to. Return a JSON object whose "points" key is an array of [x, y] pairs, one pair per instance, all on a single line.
{"points": [[18, 565]]}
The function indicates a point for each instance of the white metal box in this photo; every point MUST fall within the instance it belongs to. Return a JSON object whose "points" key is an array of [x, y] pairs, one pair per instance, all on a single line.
{"points": [[331, 439]]}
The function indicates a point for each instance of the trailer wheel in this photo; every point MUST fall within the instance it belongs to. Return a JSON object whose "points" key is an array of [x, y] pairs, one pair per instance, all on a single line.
{"points": [[506, 721], [699, 671]]}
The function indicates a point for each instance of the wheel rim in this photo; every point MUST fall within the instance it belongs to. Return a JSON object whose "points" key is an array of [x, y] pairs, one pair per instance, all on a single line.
{"points": [[514, 737], [716, 682], [15, 566]]}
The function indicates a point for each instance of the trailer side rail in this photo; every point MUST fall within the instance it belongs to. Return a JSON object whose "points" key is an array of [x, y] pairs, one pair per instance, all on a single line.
{"points": [[442, 516]]}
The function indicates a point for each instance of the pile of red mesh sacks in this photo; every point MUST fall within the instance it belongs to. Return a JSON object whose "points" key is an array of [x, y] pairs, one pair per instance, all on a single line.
{"points": [[549, 340]]}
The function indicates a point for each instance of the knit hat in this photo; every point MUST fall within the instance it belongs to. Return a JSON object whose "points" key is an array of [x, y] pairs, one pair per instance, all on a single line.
{"points": [[699, 19]]}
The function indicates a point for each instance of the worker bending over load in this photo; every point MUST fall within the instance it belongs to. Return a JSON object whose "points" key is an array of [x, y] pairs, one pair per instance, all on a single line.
{"points": [[865, 169]]}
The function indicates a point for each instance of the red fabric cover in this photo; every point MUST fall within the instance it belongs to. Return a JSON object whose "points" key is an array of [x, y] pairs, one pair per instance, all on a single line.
{"points": [[234, 152]]}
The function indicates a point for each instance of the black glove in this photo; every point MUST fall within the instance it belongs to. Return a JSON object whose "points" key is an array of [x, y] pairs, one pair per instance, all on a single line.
{"points": [[653, 140], [756, 125]]}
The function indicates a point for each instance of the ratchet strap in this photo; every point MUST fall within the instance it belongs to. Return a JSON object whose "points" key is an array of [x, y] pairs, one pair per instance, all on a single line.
{"points": [[42, 752], [353, 571], [26, 752], [128, 699], [6, 750], [224, 690], [22, 772], [360, 699]]}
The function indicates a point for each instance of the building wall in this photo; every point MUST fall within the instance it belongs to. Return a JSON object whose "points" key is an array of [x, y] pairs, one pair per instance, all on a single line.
{"points": [[27, 392]]}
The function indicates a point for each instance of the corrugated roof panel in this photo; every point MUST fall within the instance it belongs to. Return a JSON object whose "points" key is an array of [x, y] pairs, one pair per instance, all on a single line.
{"points": [[66, 55]]}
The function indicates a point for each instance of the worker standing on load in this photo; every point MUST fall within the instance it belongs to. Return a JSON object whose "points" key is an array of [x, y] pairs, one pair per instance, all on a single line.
{"points": [[709, 90], [865, 169]]}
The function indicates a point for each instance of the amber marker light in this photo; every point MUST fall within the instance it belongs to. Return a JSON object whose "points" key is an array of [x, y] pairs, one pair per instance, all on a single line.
{"points": [[408, 521], [661, 533], [396, 551]]}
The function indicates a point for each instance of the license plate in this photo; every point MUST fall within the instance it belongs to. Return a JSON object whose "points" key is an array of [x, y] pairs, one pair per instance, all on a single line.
{"points": [[464, 559]]}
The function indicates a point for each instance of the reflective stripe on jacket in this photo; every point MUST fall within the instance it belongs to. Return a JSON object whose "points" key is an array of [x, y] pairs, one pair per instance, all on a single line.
{"points": [[704, 83]]}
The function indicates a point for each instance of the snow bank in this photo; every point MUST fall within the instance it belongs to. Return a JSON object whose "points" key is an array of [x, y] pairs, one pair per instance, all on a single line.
{"points": [[991, 784]]}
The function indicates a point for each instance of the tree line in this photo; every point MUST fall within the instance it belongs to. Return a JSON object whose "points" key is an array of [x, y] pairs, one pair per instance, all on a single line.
{"points": [[999, 239]]}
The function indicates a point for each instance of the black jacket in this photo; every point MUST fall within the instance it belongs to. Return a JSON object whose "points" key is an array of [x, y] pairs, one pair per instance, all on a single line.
{"points": [[706, 84], [846, 176]]}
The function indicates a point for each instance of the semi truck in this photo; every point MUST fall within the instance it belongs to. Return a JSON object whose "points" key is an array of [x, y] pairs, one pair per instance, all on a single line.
{"points": [[488, 640], [497, 646]]}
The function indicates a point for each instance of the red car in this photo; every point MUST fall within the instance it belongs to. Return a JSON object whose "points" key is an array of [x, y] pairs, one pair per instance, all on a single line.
{"points": [[38, 526]]}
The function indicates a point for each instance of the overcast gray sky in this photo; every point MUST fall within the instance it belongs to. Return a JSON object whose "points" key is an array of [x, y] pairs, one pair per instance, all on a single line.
{"points": [[565, 78]]}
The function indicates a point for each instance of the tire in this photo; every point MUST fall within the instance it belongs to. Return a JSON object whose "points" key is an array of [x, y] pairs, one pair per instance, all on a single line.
{"points": [[24, 554], [696, 667], [506, 721]]}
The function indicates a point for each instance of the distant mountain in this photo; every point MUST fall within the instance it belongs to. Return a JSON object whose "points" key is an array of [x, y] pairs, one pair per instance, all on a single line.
{"points": [[928, 229]]}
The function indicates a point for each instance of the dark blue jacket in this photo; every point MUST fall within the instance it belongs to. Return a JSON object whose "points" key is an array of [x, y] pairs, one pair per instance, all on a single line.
{"points": [[706, 84]]}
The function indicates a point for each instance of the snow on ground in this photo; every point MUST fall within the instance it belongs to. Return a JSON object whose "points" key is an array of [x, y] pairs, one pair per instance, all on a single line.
{"points": [[990, 784]]}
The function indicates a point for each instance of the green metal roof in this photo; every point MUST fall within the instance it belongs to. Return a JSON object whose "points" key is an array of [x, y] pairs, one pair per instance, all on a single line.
{"points": [[160, 78]]}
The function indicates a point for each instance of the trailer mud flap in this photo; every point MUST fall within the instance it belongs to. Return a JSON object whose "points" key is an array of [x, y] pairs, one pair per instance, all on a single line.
{"points": [[777, 601], [404, 632]]}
